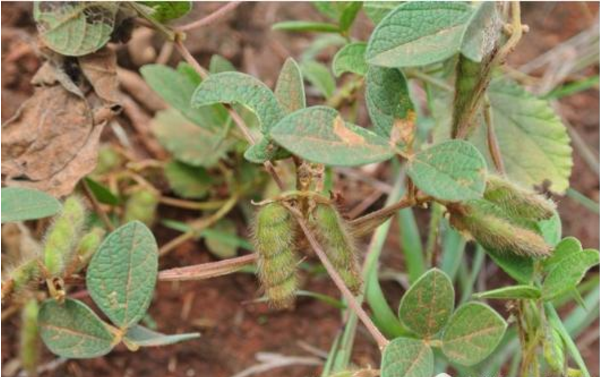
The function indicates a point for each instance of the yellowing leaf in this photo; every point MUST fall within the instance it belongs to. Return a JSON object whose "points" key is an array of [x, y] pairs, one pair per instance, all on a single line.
{"points": [[319, 134]]}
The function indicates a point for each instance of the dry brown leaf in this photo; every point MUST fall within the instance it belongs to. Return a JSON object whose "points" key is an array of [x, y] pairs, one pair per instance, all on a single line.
{"points": [[100, 69], [52, 141]]}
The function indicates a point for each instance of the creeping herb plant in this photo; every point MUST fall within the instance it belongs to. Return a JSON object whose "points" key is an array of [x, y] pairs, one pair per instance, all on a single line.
{"points": [[474, 152]]}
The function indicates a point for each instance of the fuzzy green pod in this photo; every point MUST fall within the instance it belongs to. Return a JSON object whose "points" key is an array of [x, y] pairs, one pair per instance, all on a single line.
{"points": [[338, 244], [496, 233], [21, 277], [29, 337], [274, 236], [86, 248], [108, 159], [516, 201], [141, 205], [63, 235], [554, 350]]}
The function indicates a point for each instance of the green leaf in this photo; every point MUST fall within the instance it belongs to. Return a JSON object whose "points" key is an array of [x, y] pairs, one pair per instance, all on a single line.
{"points": [[453, 171], [377, 10], [263, 150], [319, 76], [187, 181], [306, 26], [168, 10], [551, 229], [527, 126], [350, 58], [427, 305], [418, 33], [349, 14], [73, 330], [405, 357], [176, 87], [187, 142], [518, 267], [389, 105], [515, 292], [144, 337], [219, 247], [236, 87], [568, 273], [75, 28], [568, 247], [20, 204], [290, 87], [122, 274], [473, 333], [219, 64], [319, 134], [482, 32], [101, 192]]}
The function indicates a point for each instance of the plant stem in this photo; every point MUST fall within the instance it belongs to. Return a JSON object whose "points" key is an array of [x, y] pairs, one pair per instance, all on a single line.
{"points": [[97, 208], [188, 204], [492, 140], [214, 16], [515, 37], [381, 340], [207, 270], [199, 225], [415, 73]]}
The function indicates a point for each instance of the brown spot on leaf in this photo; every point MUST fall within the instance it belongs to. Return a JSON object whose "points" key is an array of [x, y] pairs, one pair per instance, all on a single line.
{"points": [[345, 134], [403, 130]]}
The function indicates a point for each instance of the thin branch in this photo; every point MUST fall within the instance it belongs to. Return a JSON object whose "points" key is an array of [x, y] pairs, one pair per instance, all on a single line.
{"points": [[199, 225], [207, 270], [492, 140], [97, 208], [188, 204], [515, 37], [214, 16]]}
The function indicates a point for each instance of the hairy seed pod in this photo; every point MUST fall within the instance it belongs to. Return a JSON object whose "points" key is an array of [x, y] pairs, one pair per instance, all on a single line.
{"points": [[141, 205], [63, 235], [554, 351], [29, 337], [108, 159], [274, 240], [338, 244], [516, 201], [20, 277], [496, 233], [86, 248]]}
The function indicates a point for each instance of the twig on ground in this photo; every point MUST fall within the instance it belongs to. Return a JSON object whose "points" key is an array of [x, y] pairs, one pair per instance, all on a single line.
{"points": [[214, 16], [207, 270]]}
